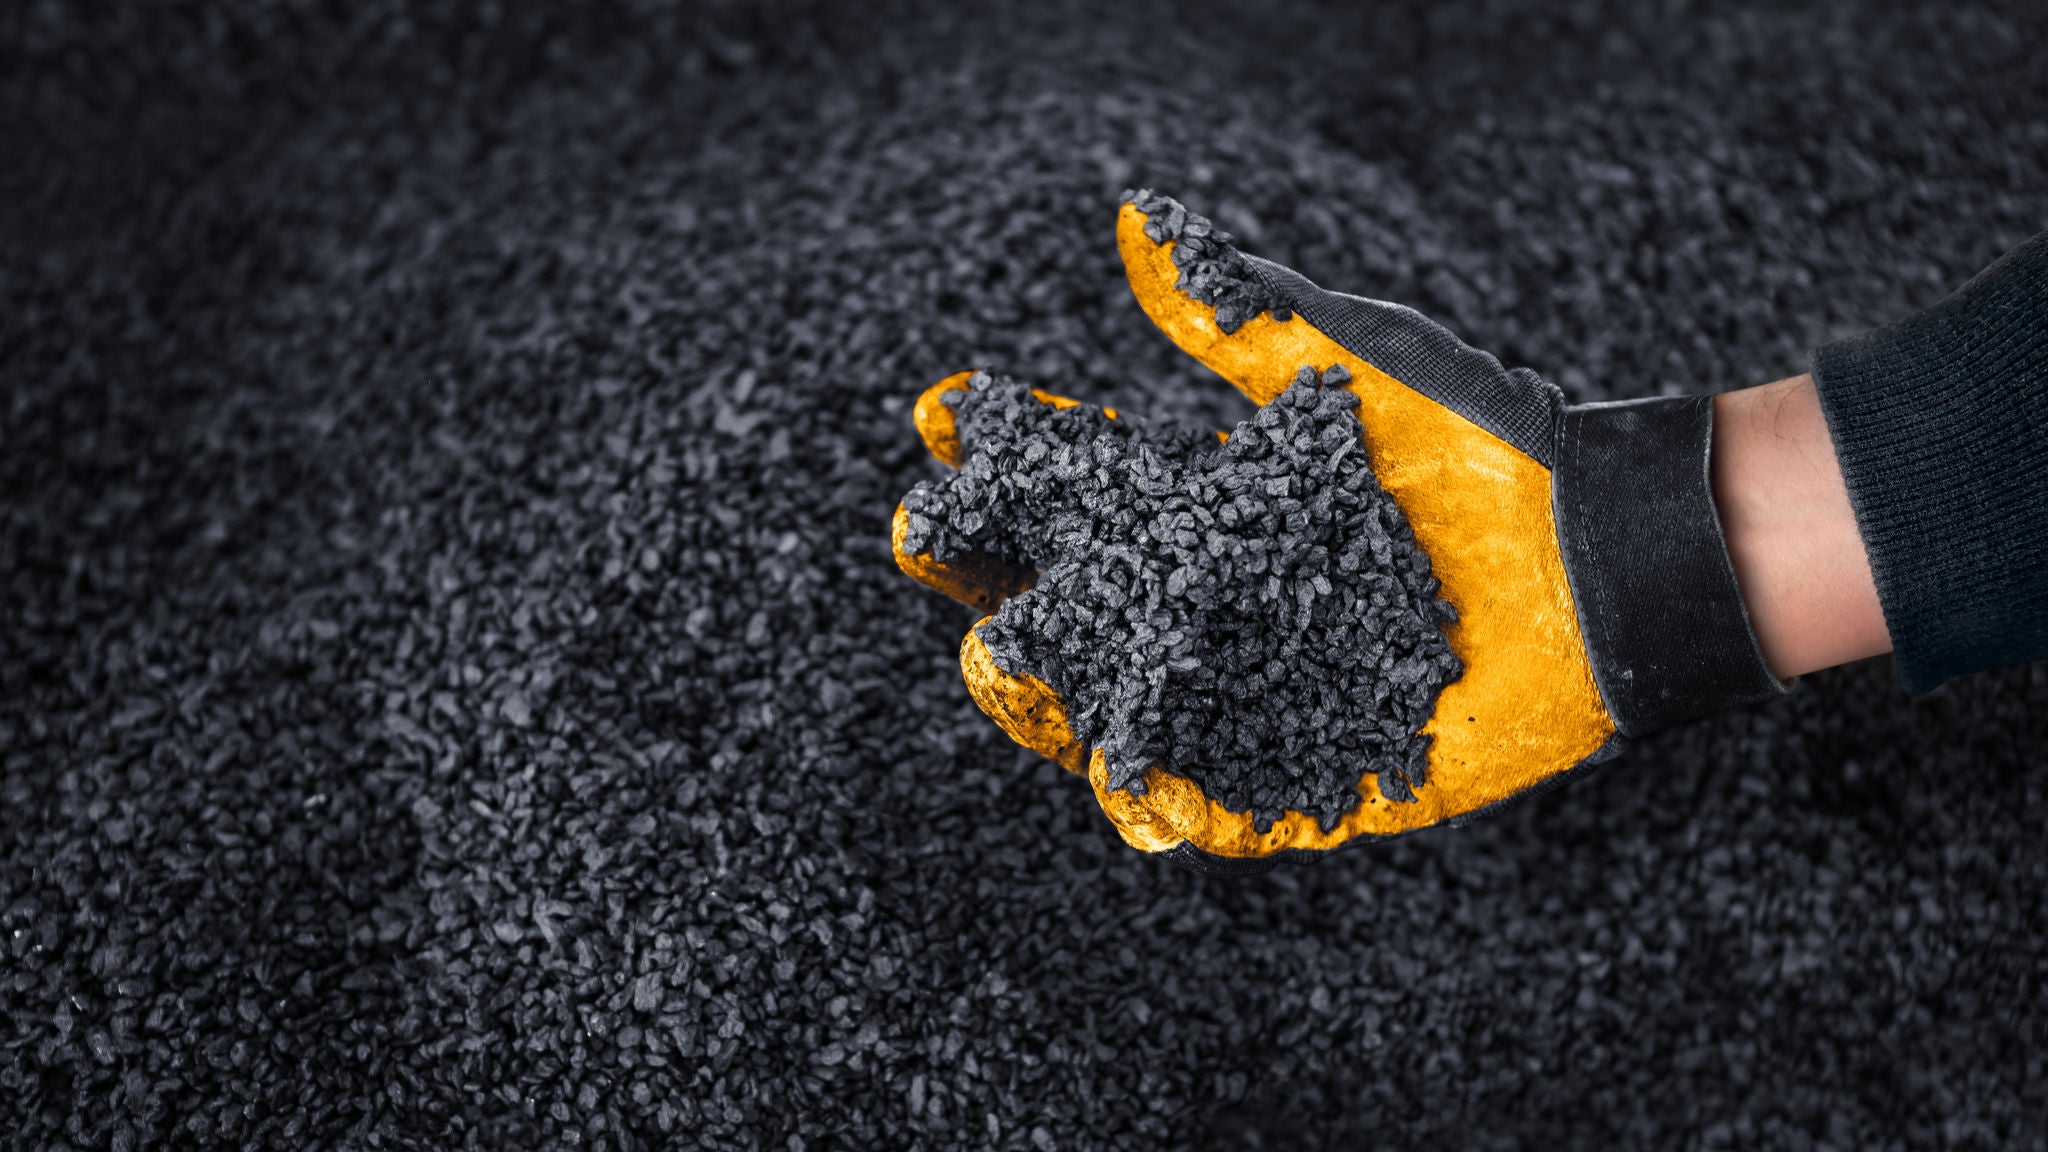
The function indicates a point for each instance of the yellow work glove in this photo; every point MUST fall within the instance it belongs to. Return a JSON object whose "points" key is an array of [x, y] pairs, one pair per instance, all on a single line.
{"points": [[1578, 545]]}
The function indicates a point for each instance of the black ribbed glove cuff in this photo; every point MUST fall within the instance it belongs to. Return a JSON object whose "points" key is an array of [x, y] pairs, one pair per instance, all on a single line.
{"points": [[1659, 608]]}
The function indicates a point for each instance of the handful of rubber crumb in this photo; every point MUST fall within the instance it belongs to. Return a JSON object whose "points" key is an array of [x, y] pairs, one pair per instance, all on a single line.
{"points": [[1254, 615]]}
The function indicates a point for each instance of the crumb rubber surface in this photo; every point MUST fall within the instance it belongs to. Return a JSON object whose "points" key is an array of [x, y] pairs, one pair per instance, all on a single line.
{"points": [[455, 690]]}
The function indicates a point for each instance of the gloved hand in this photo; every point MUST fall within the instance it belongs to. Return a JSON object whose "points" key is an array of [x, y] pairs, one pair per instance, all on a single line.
{"points": [[1579, 545]]}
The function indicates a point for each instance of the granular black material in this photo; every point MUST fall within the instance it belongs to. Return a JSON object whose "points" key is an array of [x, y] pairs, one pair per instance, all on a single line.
{"points": [[1253, 615], [455, 690], [1211, 269]]}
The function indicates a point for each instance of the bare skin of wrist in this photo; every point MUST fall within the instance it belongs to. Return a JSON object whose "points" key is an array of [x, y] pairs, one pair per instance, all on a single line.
{"points": [[1791, 532]]}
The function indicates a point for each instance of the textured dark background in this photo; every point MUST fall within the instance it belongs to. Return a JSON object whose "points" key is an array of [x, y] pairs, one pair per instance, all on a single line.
{"points": [[454, 690]]}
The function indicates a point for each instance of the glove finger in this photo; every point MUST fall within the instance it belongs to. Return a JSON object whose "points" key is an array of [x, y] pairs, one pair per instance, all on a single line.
{"points": [[1173, 815], [1022, 706], [939, 427], [978, 580], [1259, 355], [1270, 322]]}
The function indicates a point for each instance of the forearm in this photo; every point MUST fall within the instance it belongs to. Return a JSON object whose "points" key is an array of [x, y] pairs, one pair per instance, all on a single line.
{"points": [[1791, 532]]}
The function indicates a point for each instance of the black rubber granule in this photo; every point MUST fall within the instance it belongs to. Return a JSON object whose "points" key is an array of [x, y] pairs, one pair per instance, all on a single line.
{"points": [[1211, 270], [1253, 615]]}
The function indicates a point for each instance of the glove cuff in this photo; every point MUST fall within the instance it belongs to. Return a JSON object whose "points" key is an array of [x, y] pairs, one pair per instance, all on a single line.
{"points": [[1665, 628]]}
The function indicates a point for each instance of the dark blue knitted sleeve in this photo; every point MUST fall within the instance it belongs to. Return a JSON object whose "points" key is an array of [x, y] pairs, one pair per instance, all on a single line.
{"points": [[1941, 425]]}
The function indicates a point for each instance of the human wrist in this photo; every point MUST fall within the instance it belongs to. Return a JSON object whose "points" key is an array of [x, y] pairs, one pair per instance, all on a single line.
{"points": [[1791, 533]]}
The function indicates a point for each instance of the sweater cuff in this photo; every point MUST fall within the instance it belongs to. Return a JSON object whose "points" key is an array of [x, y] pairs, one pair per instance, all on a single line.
{"points": [[1941, 426]]}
